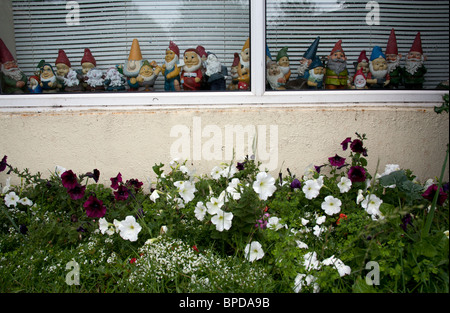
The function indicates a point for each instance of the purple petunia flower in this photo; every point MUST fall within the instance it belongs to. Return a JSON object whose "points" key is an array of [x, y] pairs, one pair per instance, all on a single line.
{"points": [[69, 179], [337, 161], [406, 220], [431, 191], [345, 143], [136, 184], [3, 164], [357, 174], [77, 192], [122, 193], [115, 181], [95, 175], [357, 146], [94, 207], [318, 168], [240, 166], [296, 184]]}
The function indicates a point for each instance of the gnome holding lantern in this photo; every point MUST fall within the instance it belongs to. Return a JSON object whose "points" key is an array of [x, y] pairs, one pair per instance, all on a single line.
{"points": [[147, 75], [283, 62], [393, 61], [170, 68], [14, 81], [192, 74], [378, 78], [133, 65], [414, 71], [243, 68], [336, 75]]}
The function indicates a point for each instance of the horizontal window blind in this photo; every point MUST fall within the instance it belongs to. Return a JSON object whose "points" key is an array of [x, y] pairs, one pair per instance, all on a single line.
{"points": [[108, 28], [296, 24]]}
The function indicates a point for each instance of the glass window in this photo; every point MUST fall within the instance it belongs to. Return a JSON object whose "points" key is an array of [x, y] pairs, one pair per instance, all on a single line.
{"points": [[357, 44], [136, 45]]}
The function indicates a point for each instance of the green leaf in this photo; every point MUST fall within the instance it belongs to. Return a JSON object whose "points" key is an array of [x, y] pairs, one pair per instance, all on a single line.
{"points": [[394, 178]]}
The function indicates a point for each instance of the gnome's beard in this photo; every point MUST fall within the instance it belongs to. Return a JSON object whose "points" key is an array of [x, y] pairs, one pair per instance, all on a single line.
{"points": [[412, 66], [71, 79], [132, 68], [302, 68], [273, 79], [192, 68], [95, 78], [170, 65], [377, 74], [49, 80], [245, 64], [14, 73], [285, 69], [213, 66], [315, 77], [392, 65], [337, 66]]}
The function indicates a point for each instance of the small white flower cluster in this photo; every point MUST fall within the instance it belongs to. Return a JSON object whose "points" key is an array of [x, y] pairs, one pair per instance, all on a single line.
{"points": [[128, 228], [11, 199]]}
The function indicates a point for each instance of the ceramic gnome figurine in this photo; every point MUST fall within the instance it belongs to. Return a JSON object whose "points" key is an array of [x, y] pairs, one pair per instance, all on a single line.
{"points": [[336, 75], [393, 61], [275, 76], [283, 62], [359, 80], [49, 83], [316, 74], [234, 73], [414, 72], [12, 78], [95, 80], [378, 78], [215, 73], [170, 69], [192, 74], [147, 75], [87, 63], [114, 80], [362, 63], [243, 68], [133, 65], [307, 59], [34, 84], [62, 66]]}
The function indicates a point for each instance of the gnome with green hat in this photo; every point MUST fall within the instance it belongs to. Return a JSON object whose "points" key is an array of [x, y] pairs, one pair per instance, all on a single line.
{"points": [[378, 78], [283, 62]]}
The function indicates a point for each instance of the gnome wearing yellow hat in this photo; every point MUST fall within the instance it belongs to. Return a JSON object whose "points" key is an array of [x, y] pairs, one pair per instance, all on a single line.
{"points": [[133, 65], [244, 66]]}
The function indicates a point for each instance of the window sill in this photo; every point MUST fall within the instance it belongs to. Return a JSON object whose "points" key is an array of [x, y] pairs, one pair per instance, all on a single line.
{"points": [[323, 98]]}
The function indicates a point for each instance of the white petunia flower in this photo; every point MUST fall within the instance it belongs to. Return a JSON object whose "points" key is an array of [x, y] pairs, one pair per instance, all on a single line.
{"points": [[214, 205], [321, 220], [264, 185], [331, 205], [7, 185], [274, 223], [301, 244], [200, 211], [253, 251], [304, 221], [318, 230], [106, 227], [345, 185], [305, 280], [59, 170], [360, 197], [310, 261], [154, 196], [311, 189], [372, 204], [222, 220], [446, 233], [186, 189], [233, 189], [11, 199], [129, 228], [26, 201], [338, 264], [216, 172]]}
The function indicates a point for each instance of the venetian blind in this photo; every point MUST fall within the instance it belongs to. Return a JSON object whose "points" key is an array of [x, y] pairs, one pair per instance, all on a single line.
{"points": [[296, 24], [108, 28]]}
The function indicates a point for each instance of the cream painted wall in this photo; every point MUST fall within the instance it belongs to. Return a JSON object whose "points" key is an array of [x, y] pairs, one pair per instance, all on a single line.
{"points": [[132, 141]]}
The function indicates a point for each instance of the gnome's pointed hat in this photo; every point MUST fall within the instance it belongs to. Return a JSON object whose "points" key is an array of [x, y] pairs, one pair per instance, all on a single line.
{"points": [[5, 54], [359, 72], [268, 54], [62, 58], [376, 53], [316, 63], [282, 53], [392, 43], [247, 44], [417, 45], [88, 57], [310, 54], [173, 47], [235, 60], [135, 51], [363, 57], [337, 47], [201, 51]]}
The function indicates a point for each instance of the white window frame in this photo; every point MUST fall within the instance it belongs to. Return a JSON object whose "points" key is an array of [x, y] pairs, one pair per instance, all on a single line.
{"points": [[258, 96]]}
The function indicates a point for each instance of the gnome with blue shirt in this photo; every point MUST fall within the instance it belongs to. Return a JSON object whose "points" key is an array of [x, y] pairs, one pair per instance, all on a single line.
{"points": [[378, 77], [307, 59]]}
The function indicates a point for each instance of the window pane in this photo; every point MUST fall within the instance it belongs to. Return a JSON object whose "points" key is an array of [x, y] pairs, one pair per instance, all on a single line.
{"points": [[116, 32], [306, 28]]}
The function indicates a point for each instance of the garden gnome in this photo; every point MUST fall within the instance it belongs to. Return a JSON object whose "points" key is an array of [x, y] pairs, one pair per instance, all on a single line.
{"points": [[133, 65], [359, 80], [316, 73], [72, 82], [234, 73], [363, 63], [393, 61], [243, 68], [49, 84], [87, 63], [34, 84], [378, 78], [114, 80], [203, 56], [12, 78], [147, 75], [191, 75], [170, 69], [275, 76], [414, 72], [62, 65], [215, 73], [308, 58], [336, 75], [95, 80], [283, 62]]}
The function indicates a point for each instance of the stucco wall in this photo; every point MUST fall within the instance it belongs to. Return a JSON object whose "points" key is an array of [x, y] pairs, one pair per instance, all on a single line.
{"points": [[132, 141]]}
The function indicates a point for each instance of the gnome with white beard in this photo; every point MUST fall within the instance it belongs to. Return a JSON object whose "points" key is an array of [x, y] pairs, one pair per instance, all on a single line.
{"points": [[414, 71], [170, 68], [393, 61], [95, 80], [378, 77], [215, 72], [275, 76], [13, 79], [133, 65], [192, 74]]}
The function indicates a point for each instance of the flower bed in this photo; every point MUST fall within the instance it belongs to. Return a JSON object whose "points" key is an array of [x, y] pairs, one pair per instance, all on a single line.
{"points": [[335, 228]]}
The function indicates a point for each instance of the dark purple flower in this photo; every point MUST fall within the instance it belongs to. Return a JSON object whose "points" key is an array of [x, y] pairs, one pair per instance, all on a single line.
{"points": [[23, 229], [240, 166], [3, 164], [69, 179], [336, 161], [122, 193], [357, 146], [95, 175], [345, 143], [357, 174], [136, 184], [94, 207], [431, 191], [77, 192], [446, 187], [406, 220], [115, 181], [296, 184], [318, 168]]}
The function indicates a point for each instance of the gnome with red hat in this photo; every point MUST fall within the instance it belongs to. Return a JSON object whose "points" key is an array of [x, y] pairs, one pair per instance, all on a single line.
{"points": [[414, 71], [170, 68], [62, 65], [192, 74], [359, 80], [234, 73], [336, 75], [362, 63], [12, 78], [393, 61]]}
